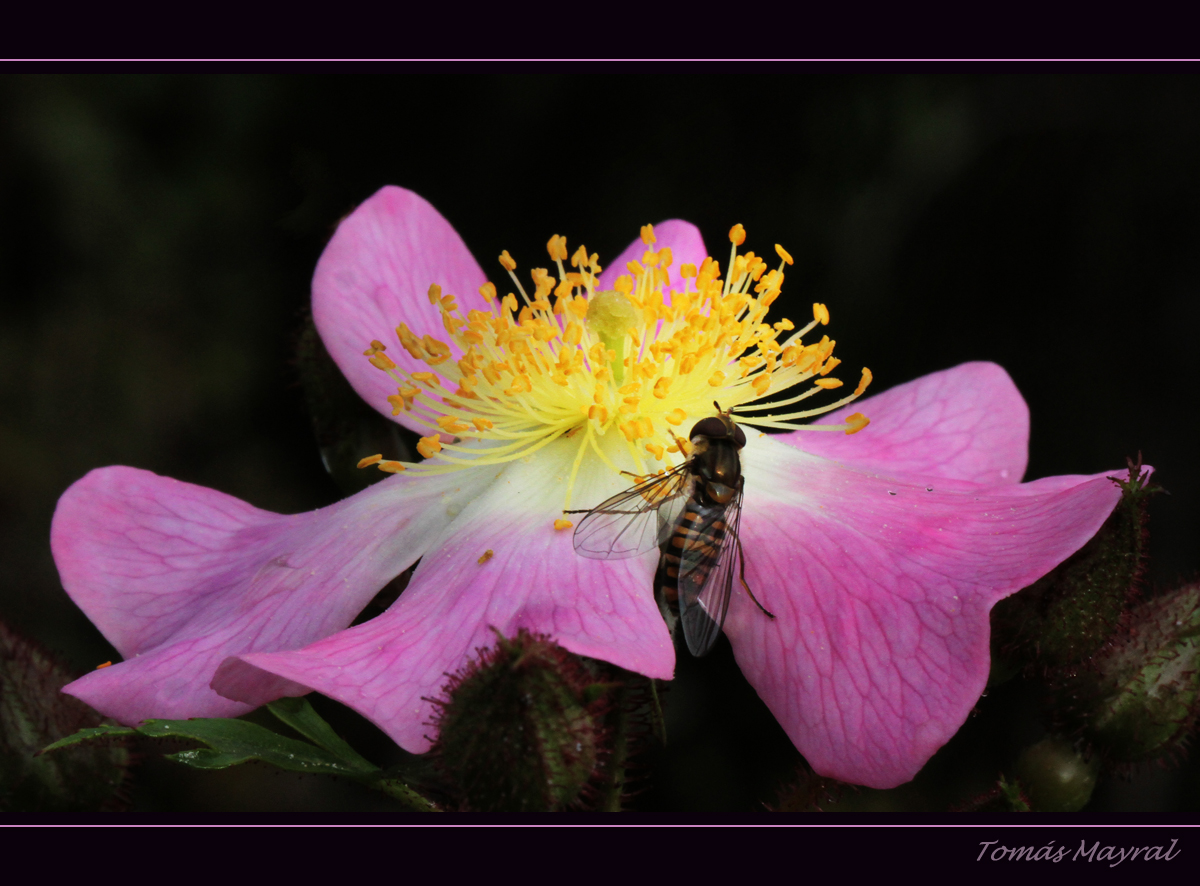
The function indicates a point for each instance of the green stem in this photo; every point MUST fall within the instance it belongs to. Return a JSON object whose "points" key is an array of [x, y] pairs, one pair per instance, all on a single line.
{"points": [[610, 798]]}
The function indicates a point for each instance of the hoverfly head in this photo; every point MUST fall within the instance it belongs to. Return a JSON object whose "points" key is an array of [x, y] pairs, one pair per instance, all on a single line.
{"points": [[719, 427]]}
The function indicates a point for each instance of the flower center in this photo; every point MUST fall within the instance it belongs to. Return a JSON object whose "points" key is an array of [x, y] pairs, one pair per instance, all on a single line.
{"points": [[638, 360]]}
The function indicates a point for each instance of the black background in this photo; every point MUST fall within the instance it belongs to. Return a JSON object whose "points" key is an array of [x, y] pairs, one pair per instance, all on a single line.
{"points": [[158, 235]]}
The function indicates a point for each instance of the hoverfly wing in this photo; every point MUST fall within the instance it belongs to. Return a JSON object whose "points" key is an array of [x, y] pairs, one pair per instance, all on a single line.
{"points": [[634, 521], [705, 586]]}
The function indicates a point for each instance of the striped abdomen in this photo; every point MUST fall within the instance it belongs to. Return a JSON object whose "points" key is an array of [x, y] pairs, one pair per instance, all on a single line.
{"points": [[692, 550]]}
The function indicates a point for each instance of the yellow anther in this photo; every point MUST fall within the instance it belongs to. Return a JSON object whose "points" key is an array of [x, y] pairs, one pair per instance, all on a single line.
{"points": [[382, 361], [827, 383], [429, 446], [451, 425], [629, 429], [821, 313], [656, 450], [509, 303], [624, 284], [662, 387], [370, 460], [737, 235], [580, 258], [863, 382], [831, 364], [666, 257], [391, 467], [438, 351], [557, 247], [485, 556], [435, 293], [783, 254], [632, 388], [399, 404], [376, 347], [562, 524], [507, 261], [520, 385], [598, 414], [428, 378], [573, 333], [645, 427], [687, 270], [856, 423], [482, 424], [488, 291], [408, 392], [648, 235], [717, 379], [761, 382]]}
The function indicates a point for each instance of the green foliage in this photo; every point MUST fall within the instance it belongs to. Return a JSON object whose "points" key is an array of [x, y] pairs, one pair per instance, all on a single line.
{"points": [[33, 712], [232, 742]]}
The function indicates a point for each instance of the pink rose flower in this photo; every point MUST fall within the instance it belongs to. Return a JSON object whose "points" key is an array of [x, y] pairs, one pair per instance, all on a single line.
{"points": [[881, 550]]}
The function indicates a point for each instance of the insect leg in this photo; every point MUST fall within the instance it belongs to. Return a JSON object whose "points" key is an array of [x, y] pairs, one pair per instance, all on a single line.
{"points": [[742, 578]]}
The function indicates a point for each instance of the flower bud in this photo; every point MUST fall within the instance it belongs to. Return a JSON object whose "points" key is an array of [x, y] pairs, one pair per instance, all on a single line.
{"points": [[1055, 776], [33, 714], [1069, 614], [522, 728], [1141, 697]]}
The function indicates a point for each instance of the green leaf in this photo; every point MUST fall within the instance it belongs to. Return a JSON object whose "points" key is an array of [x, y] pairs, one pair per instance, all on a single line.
{"points": [[231, 742], [86, 735], [299, 714], [238, 741]]}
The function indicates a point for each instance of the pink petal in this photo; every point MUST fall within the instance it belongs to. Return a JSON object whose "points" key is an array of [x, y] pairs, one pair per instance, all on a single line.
{"points": [[179, 577], [882, 589], [966, 423], [387, 667], [375, 273], [687, 247]]}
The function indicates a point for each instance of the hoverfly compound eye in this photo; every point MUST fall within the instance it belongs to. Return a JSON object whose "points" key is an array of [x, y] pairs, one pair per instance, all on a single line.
{"points": [[739, 436], [709, 427]]}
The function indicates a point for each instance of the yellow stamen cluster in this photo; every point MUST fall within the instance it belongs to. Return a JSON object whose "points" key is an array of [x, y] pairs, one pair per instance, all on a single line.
{"points": [[637, 360]]}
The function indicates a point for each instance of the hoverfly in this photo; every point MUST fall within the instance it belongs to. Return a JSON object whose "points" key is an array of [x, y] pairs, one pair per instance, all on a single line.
{"points": [[691, 513]]}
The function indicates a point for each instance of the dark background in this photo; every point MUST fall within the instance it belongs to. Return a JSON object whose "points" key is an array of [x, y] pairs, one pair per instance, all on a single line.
{"points": [[158, 235]]}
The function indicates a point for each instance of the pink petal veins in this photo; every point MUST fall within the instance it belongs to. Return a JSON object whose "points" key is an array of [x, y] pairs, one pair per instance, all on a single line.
{"points": [[966, 423], [375, 274], [179, 577], [386, 667], [882, 589]]}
